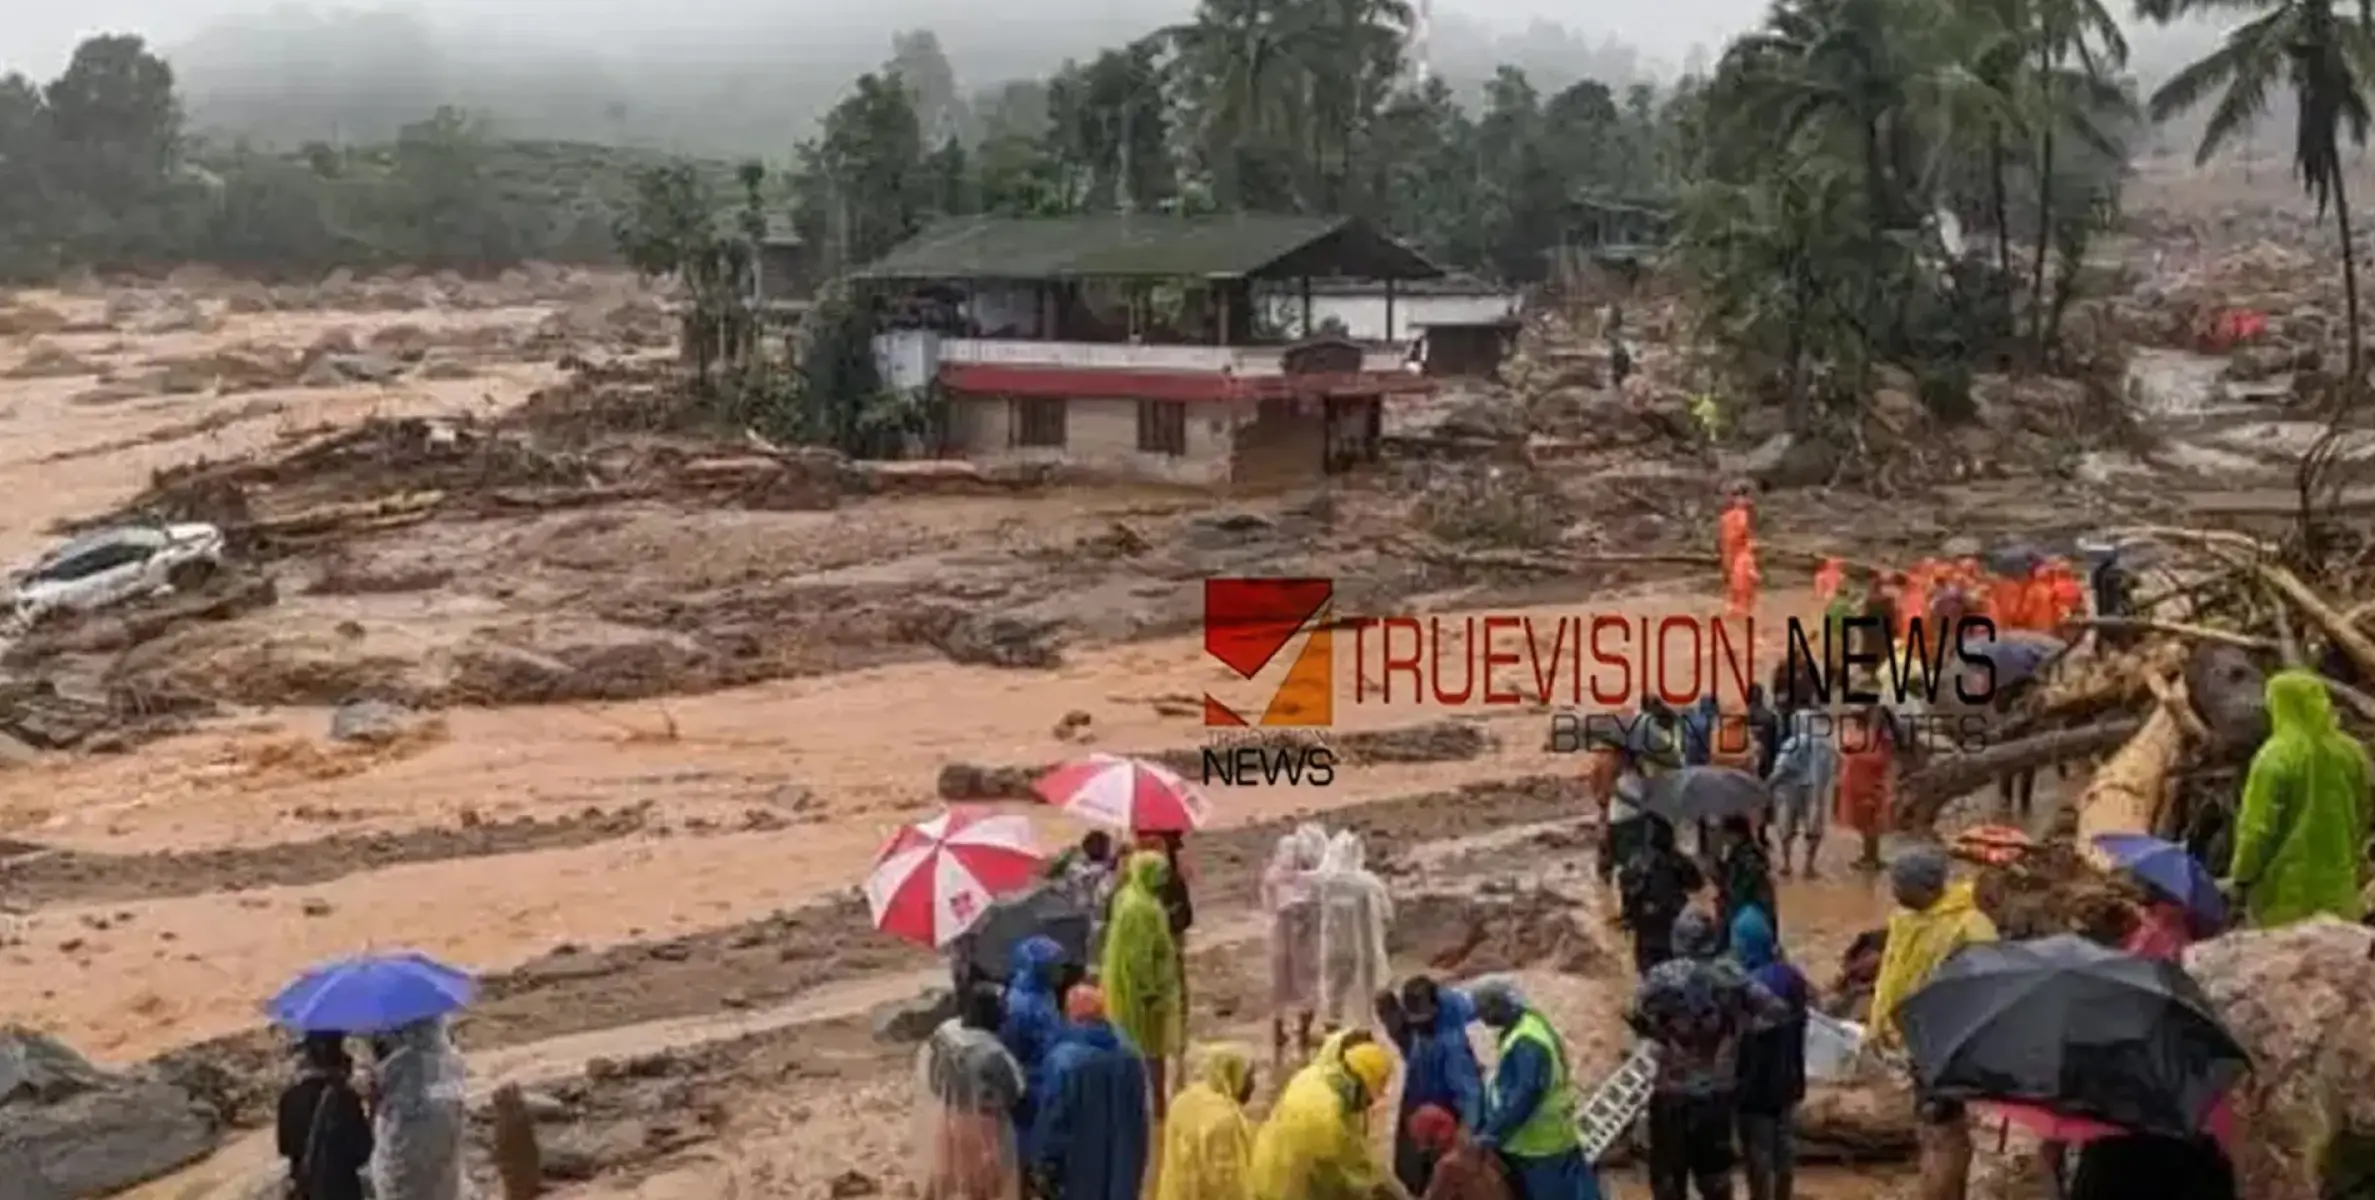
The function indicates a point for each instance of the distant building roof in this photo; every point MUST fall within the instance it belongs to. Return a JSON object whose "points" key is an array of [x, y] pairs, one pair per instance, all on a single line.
{"points": [[1116, 246]]}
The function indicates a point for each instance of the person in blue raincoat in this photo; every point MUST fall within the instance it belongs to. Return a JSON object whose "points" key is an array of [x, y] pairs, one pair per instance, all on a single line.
{"points": [[1430, 1029], [1530, 1109], [1034, 1021], [1698, 731], [1093, 1131]]}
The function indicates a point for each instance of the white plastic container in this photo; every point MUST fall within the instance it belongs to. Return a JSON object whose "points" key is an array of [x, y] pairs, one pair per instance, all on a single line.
{"points": [[1832, 1047]]}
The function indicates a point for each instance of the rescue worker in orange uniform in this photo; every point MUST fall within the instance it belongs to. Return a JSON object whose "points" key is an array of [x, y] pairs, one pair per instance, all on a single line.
{"points": [[1733, 532], [1741, 578]]}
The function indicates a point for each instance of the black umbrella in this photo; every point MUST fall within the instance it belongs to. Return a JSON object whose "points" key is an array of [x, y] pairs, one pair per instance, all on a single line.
{"points": [[2018, 655], [1705, 794], [2076, 1028], [985, 950]]}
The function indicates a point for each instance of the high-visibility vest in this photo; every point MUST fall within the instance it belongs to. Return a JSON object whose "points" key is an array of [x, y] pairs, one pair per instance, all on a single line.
{"points": [[1550, 1129]]}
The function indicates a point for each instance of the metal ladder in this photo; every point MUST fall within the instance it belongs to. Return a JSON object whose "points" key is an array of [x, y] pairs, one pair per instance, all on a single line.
{"points": [[1617, 1102]]}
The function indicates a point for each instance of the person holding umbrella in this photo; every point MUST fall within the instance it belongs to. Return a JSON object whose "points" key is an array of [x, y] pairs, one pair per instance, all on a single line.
{"points": [[2081, 1044], [1654, 885], [400, 1001], [1935, 918], [419, 1118], [324, 1134], [2181, 899]]}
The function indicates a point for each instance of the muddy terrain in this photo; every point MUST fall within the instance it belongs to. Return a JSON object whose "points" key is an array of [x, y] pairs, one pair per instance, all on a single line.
{"points": [[516, 660]]}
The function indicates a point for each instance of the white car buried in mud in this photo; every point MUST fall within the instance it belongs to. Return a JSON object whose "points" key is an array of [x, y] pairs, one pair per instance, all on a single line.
{"points": [[111, 566]]}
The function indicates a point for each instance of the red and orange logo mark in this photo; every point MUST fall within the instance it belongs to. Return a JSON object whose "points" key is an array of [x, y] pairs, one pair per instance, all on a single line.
{"points": [[1248, 622]]}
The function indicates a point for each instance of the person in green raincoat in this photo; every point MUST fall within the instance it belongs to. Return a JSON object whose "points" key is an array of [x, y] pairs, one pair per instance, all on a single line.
{"points": [[1145, 996], [2303, 825]]}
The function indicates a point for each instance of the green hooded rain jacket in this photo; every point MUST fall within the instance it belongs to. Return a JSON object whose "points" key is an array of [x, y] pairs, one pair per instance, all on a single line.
{"points": [[2301, 836]]}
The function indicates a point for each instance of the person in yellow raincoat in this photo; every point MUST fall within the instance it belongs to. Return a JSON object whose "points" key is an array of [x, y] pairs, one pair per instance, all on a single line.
{"points": [[1315, 1146], [2303, 824], [1937, 918], [1208, 1143], [1144, 994]]}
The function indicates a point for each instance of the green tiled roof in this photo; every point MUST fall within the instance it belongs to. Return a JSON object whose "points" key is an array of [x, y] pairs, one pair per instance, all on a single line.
{"points": [[1110, 246]]}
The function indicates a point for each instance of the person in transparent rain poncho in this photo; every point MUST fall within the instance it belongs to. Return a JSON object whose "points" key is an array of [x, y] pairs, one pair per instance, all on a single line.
{"points": [[420, 1117], [1290, 901], [1354, 911], [966, 1088]]}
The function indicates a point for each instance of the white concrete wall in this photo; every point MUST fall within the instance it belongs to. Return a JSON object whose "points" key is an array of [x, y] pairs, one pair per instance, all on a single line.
{"points": [[1102, 436], [907, 359], [1363, 315]]}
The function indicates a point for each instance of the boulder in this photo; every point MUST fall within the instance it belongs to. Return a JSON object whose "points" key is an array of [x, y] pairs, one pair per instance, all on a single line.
{"points": [[70, 1130], [914, 1019], [2296, 999], [371, 722], [1789, 461]]}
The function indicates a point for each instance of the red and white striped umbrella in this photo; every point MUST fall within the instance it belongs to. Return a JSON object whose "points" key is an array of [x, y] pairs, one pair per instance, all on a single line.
{"points": [[1126, 794], [934, 879]]}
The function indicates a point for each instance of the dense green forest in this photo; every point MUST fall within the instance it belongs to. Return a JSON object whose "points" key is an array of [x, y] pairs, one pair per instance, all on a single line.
{"points": [[1808, 168]]}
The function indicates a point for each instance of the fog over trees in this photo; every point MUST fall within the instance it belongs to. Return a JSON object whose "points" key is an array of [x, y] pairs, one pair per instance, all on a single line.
{"points": [[292, 74]]}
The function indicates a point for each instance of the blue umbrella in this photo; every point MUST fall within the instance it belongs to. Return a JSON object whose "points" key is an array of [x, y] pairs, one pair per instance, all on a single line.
{"points": [[2167, 868], [372, 994]]}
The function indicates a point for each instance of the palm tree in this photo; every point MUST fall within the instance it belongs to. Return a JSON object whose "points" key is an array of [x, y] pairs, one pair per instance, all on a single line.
{"points": [[2066, 99], [2302, 44]]}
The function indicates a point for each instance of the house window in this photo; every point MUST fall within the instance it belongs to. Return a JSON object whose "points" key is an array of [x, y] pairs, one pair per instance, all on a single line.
{"points": [[1162, 427], [1039, 423]]}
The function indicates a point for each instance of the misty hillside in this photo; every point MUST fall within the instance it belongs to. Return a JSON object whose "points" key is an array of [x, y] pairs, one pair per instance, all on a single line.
{"points": [[293, 74]]}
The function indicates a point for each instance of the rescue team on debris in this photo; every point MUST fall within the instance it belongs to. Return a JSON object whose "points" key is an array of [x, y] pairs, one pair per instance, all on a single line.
{"points": [[1074, 1078]]}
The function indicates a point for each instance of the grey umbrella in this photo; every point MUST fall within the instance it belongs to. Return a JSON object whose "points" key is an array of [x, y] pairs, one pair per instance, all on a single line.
{"points": [[984, 950], [1705, 794]]}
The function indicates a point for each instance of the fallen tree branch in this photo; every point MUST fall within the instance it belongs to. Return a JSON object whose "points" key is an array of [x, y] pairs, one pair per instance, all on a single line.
{"points": [[2126, 792], [2199, 633], [1926, 793], [2259, 558]]}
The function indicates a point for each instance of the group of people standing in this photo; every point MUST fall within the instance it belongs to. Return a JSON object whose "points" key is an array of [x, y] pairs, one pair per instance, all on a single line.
{"points": [[393, 1132], [1725, 1007], [1053, 1085]]}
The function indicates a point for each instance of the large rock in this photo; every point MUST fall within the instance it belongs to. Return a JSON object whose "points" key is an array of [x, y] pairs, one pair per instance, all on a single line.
{"points": [[1788, 461], [914, 1019], [372, 722], [69, 1130], [2296, 998]]}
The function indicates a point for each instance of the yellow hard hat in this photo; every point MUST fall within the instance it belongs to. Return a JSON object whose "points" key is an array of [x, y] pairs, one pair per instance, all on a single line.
{"points": [[1372, 1067]]}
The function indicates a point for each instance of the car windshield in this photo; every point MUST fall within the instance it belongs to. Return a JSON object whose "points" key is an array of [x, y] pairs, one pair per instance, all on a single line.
{"points": [[130, 535], [96, 551]]}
